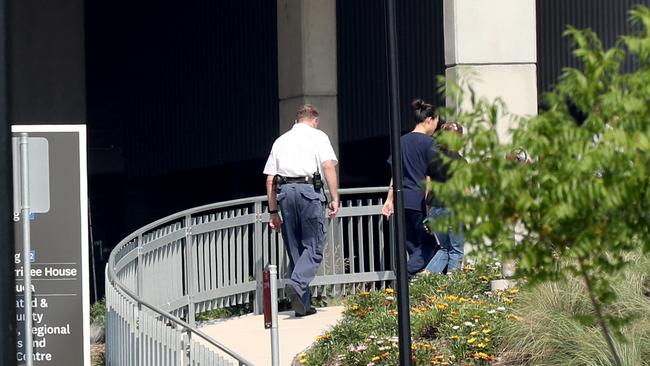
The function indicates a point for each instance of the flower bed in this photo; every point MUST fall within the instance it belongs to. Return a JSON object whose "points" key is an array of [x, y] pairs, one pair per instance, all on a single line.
{"points": [[455, 320]]}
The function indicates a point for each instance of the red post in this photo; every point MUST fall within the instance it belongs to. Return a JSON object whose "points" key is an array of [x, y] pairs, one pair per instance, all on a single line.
{"points": [[267, 299]]}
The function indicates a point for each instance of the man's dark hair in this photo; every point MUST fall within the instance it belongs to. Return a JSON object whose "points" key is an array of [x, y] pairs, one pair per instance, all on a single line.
{"points": [[452, 127]]}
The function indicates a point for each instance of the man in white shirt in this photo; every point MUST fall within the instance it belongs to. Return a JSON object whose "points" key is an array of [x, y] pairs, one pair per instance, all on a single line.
{"points": [[294, 187]]}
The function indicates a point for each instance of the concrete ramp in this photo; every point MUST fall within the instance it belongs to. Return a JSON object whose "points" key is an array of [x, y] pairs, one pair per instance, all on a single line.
{"points": [[246, 334]]}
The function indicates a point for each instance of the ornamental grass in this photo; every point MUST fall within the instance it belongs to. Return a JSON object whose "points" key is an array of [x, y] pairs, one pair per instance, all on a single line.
{"points": [[552, 329]]}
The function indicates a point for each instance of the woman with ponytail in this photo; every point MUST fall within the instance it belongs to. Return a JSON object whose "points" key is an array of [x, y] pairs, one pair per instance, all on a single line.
{"points": [[417, 150]]}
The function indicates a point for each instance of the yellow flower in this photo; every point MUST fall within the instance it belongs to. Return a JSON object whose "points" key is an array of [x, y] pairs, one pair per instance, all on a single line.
{"points": [[302, 355], [452, 297], [486, 340], [462, 300], [376, 358], [482, 345], [486, 331], [513, 291], [354, 307], [454, 337], [507, 300], [482, 356], [302, 361], [471, 340], [390, 291], [323, 337], [365, 293], [442, 306], [474, 333]]}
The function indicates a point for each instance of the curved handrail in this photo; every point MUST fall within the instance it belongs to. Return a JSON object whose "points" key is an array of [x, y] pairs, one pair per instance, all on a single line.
{"points": [[236, 202], [134, 241], [161, 312]]}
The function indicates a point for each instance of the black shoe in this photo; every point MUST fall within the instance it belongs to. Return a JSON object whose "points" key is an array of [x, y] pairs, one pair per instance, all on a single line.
{"points": [[310, 311], [296, 301]]}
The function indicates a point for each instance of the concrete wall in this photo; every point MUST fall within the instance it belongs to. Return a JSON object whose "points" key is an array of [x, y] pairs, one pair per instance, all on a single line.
{"points": [[47, 79], [490, 31], [516, 84], [492, 46], [307, 62]]}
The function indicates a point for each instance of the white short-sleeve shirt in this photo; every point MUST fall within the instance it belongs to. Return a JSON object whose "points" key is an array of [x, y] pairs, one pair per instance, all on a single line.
{"points": [[299, 152]]}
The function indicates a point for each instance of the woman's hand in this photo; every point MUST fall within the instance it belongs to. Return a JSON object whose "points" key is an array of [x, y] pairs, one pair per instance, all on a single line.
{"points": [[387, 210]]}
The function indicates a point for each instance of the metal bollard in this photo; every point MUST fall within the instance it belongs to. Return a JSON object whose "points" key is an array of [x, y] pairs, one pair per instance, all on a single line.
{"points": [[271, 310]]}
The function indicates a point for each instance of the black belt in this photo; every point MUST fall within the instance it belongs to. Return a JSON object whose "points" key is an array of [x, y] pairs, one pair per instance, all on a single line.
{"points": [[299, 180]]}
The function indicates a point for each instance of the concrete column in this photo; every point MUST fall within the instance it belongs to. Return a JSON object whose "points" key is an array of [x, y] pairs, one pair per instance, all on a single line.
{"points": [[307, 62], [492, 45], [307, 74]]}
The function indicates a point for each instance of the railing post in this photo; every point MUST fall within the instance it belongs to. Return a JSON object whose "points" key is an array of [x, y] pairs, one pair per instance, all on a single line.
{"points": [[139, 341], [186, 357], [258, 253], [189, 271], [393, 252]]}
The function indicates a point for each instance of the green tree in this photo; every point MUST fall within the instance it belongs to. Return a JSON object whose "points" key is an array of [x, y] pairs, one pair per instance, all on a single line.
{"points": [[584, 195]]}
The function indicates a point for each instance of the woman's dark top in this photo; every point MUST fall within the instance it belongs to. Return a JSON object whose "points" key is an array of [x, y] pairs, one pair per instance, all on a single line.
{"points": [[418, 150]]}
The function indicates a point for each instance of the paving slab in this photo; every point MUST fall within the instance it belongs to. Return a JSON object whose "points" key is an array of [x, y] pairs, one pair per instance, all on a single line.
{"points": [[246, 334]]}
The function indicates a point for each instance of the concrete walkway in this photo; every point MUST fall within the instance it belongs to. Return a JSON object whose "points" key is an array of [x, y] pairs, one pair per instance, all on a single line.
{"points": [[246, 335]]}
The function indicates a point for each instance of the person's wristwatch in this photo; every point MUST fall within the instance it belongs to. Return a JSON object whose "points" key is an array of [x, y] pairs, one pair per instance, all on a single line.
{"points": [[271, 212]]}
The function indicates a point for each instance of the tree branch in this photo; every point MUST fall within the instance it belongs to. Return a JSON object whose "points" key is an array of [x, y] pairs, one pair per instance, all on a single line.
{"points": [[599, 314]]}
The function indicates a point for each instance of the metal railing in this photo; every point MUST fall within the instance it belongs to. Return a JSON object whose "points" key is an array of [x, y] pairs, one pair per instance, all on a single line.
{"points": [[162, 275]]}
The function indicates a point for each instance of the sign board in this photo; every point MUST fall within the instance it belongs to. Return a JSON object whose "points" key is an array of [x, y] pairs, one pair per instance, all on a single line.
{"points": [[59, 256], [39, 170]]}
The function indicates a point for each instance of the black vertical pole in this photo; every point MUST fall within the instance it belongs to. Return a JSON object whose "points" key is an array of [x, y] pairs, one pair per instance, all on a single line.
{"points": [[403, 317], [7, 281]]}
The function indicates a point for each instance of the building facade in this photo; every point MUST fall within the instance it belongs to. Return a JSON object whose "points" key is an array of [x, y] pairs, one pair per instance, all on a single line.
{"points": [[183, 101]]}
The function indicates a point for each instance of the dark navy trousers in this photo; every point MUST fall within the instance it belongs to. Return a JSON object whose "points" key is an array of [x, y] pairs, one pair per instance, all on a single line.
{"points": [[303, 232], [420, 246]]}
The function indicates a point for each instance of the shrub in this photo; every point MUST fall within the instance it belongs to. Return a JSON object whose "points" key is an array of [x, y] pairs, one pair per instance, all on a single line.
{"points": [[585, 190]]}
